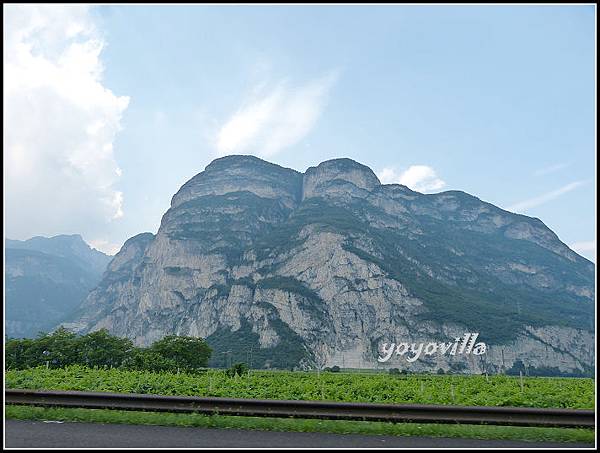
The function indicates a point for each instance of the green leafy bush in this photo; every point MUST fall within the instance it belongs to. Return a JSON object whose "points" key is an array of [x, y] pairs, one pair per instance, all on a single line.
{"points": [[188, 353], [237, 369], [99, 349]]}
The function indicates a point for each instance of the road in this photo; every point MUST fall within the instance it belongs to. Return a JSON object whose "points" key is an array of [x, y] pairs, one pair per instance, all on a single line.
{"points": [[20, 433]]}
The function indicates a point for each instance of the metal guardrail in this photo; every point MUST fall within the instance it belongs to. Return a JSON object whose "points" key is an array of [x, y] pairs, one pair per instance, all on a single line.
{"points": [[478, 415]]}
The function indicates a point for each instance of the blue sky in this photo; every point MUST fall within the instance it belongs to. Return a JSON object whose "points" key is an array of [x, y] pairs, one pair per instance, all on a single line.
{"points": [[496, 101]]}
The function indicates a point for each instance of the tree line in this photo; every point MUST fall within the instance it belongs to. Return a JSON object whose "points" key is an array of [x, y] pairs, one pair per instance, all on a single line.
{"points": [[100, 349]]}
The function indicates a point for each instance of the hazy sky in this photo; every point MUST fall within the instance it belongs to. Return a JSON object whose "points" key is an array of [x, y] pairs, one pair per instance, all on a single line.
{"points": [[109, 110]]}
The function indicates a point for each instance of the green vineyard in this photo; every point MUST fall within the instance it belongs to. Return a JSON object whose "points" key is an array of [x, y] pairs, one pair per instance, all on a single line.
{"points": [[500, 390]]}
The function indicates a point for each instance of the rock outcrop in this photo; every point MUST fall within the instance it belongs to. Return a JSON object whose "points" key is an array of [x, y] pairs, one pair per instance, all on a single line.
{"points": [[318, 269]]}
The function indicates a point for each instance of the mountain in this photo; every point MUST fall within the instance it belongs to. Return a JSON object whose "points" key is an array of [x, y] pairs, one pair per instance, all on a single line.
{"points": [[283, 268], [46, 279]]}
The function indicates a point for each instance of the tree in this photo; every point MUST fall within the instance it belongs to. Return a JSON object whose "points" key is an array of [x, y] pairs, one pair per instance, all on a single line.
{"points": [[518, 366], [58, 349], [16, 353], [101, 349], [188, 353], [238, 369], [144, 359]]}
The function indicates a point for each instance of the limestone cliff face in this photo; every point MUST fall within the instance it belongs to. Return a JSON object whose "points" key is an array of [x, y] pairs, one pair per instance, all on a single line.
{"points": [[321, 268]]}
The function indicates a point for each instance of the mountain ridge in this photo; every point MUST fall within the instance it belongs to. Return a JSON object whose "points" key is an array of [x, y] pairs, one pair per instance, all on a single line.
{"points": [[46, 279], [334, 262]]}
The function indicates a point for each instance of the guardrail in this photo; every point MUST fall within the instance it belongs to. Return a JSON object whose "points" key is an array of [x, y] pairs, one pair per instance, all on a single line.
{"points": [[478, 415]]}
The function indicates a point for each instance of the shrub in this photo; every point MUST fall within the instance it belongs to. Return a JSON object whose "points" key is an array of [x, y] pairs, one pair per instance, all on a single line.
{"points": [[237, 369], [188, 353], [143, 359], [99, 349]]}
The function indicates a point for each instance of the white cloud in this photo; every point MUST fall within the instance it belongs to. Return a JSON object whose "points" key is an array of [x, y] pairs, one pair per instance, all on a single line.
{"points": [[160, 118], [60, 123], [105, 246], [526, 205], [421, 178], [274, 118], [585, 248], [550, 169]]}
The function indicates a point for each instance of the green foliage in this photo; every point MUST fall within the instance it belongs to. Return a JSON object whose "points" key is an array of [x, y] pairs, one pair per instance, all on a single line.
{"points": [[237, 369], [519, 368], [99, 349], [475, 390], [56, 350], [461, 289], [188, 353], [482, 301], [243, 345], [146, 359]]}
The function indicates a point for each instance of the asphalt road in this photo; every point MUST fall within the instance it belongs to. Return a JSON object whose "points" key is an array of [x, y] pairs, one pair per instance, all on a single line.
{"points": [[55, 435]]}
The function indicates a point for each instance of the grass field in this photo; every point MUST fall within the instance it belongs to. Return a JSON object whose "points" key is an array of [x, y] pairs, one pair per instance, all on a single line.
{"points": [[352, 387]]}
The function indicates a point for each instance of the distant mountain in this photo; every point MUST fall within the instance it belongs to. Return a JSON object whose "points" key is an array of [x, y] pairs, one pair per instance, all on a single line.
{"points": [[322, 267], [46, 279]]}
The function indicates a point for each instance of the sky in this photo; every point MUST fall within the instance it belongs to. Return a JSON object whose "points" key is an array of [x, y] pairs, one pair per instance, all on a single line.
{"points": [[110, 109]]}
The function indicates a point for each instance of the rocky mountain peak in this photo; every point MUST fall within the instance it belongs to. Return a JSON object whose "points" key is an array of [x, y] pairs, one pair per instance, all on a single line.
{"points": [[338, 170], [46, 279], [71, 246], [132, 251], [246, 161], [242, 173]]}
